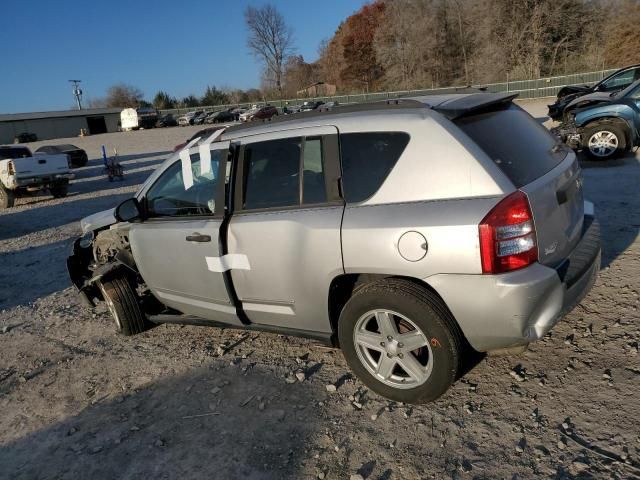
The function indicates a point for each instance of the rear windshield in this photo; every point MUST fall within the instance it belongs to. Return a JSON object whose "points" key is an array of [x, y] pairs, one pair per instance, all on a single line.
{"points": [[13, 153], [518, 144]]}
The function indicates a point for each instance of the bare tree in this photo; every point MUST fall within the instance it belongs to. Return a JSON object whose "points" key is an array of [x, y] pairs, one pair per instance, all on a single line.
{"points": [[270, 39], [123, 95]]}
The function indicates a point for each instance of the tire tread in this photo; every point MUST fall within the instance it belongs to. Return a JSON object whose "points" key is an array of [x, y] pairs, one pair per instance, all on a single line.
{"points": [[124, 298]]}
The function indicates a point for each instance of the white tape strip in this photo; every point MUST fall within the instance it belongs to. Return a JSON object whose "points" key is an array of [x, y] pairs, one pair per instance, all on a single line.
{"points": [[205, 151], [187, 174], [236, 261], [205, 159]]}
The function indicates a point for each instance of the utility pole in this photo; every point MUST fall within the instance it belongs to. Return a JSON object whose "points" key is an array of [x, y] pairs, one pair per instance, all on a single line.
{"points": [[77, 92]]}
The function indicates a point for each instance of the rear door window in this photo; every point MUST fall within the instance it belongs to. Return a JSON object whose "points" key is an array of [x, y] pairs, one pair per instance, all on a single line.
{"points": [[522, 148], [272, 174], [313, 188], [367, 159]]}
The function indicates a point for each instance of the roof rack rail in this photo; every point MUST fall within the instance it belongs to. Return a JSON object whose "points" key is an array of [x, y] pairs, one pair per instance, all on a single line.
{"points": [[388, 104]]}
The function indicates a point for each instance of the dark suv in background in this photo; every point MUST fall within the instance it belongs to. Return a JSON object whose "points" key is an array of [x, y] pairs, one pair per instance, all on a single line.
{"points": [[613, 83]]}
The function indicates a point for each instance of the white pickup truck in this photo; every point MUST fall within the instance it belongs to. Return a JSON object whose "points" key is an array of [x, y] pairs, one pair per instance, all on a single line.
{"points": [[22, 172]]}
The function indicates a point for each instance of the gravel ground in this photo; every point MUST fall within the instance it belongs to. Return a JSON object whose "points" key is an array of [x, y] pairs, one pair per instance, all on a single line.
{"points": [[79, 401]]}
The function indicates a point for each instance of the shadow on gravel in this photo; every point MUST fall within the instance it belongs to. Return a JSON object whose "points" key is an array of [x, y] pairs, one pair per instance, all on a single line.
{"points": [[98, 184], [95, 166], [613, 187], [192, 426], [17, 223], [33, 273]]}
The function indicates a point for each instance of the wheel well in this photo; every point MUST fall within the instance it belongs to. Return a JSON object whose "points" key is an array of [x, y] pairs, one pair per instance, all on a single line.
{"points": [[344, 286], [611, 120]]}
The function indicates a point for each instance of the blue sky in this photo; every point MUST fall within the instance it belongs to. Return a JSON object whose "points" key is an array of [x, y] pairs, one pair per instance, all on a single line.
{"points": [[177, 46]]}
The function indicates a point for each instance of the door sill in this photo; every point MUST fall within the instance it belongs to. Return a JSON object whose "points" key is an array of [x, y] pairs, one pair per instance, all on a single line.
{"points": [[326, 338]]}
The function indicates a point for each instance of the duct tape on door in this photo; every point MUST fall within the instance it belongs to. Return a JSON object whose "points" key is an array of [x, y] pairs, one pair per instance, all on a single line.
{"points": [[235, 261]]}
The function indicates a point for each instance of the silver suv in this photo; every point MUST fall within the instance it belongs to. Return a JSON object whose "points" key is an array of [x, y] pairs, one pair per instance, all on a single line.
{"points": [[404, 232]]}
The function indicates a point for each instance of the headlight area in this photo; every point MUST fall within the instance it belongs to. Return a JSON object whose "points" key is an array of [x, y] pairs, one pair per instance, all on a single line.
{"points": [[86, 240]]}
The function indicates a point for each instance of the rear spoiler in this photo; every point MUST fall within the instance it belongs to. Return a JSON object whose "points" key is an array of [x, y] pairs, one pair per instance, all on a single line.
{"points": [[467, 104]]}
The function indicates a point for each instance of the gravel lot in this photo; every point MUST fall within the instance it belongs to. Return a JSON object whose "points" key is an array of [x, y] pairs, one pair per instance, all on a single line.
{"points": [[78, 401]]}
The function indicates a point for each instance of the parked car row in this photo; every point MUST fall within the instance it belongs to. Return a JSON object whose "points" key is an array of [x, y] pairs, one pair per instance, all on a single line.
{"points": [[234, 114], [602, 120]]}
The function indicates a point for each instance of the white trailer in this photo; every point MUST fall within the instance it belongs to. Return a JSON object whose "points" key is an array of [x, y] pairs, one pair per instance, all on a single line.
{"points": [[135, 118]]}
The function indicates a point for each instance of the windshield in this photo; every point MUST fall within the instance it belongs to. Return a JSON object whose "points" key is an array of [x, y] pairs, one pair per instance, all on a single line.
{"points": [[626, 91], [522, 148]]}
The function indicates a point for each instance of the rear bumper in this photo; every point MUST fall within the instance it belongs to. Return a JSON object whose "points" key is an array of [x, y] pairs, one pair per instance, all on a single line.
{"points": [[516, 308], [43, 181]]}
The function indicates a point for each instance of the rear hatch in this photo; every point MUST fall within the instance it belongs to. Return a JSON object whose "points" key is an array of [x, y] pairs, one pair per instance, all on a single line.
{"points": [[41, 165], [537, 164]]}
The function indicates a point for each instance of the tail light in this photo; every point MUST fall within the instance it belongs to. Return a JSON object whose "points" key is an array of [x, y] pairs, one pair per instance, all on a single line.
{"points": [[11, 168], [508, 236]]}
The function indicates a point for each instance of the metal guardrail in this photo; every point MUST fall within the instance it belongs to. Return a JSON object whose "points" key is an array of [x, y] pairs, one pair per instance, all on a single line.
{"points": [[536, 88]]}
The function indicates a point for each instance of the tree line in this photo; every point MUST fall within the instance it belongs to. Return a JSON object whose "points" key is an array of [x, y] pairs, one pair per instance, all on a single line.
{"points": [[408, 44], [123, 95]]}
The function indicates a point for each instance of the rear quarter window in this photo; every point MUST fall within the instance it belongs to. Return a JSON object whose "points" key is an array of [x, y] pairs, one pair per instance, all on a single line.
{"points": [[367, 158], [522, 148]]}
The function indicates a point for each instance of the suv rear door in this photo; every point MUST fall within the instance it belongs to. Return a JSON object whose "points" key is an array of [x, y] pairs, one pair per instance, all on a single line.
{"points": [[286, 220], [177, 247], [536, 163]]}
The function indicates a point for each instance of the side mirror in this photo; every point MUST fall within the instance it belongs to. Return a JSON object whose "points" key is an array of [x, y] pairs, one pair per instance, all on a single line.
{"points": [[128, 210]]}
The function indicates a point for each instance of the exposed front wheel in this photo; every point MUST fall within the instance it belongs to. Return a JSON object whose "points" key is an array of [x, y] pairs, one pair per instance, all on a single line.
{"points": [[604, 140], [7, 197], [123, 305], [401, 341]]}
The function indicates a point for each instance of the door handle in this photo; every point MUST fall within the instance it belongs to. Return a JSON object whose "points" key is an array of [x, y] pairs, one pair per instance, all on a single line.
{"points": [[196, 237]]}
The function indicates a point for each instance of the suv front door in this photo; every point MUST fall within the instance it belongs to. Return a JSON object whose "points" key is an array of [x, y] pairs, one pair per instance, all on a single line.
{"points": [[177, 247], [286, 220]]}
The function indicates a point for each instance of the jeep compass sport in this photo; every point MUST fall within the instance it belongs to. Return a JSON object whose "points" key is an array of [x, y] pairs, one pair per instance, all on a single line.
{"points": [[402, 232]]}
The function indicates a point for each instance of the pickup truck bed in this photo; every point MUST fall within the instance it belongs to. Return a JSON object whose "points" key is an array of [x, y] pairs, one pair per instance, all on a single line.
{"points": [[21, 172]]}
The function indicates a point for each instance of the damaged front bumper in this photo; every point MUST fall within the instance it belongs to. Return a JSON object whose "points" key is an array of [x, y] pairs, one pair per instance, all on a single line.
{"points": [[84, 272], [568, 133], [78, 266]]}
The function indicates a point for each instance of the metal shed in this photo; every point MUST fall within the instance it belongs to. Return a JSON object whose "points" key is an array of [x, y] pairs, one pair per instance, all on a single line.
{"points": [[61, 124]]}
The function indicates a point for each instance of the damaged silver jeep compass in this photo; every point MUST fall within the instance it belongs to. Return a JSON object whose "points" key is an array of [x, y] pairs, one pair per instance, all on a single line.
{"points": [[404, 232]]}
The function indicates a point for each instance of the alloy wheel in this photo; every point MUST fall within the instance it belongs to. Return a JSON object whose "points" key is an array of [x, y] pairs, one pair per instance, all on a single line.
{"points": [[603, 143], [393, 349]]}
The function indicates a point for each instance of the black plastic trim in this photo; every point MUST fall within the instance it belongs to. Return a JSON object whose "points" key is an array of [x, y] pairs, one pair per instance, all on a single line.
{"points": [[326, 338]]}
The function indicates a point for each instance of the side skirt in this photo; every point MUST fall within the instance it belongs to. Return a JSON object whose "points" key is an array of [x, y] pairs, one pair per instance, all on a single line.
{"points": [[327, 339]]}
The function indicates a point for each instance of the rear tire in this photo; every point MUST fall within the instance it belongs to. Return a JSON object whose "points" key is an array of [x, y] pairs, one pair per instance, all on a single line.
{"points": [[59, 191], [604, 140], [7, 197], [122, 302], [381, 357]]}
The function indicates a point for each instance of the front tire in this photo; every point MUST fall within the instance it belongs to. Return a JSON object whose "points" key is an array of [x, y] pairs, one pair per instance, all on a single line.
{"points": [[604, 140], [123, 305], [7, 197], [401, 341], [59, 191]]}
